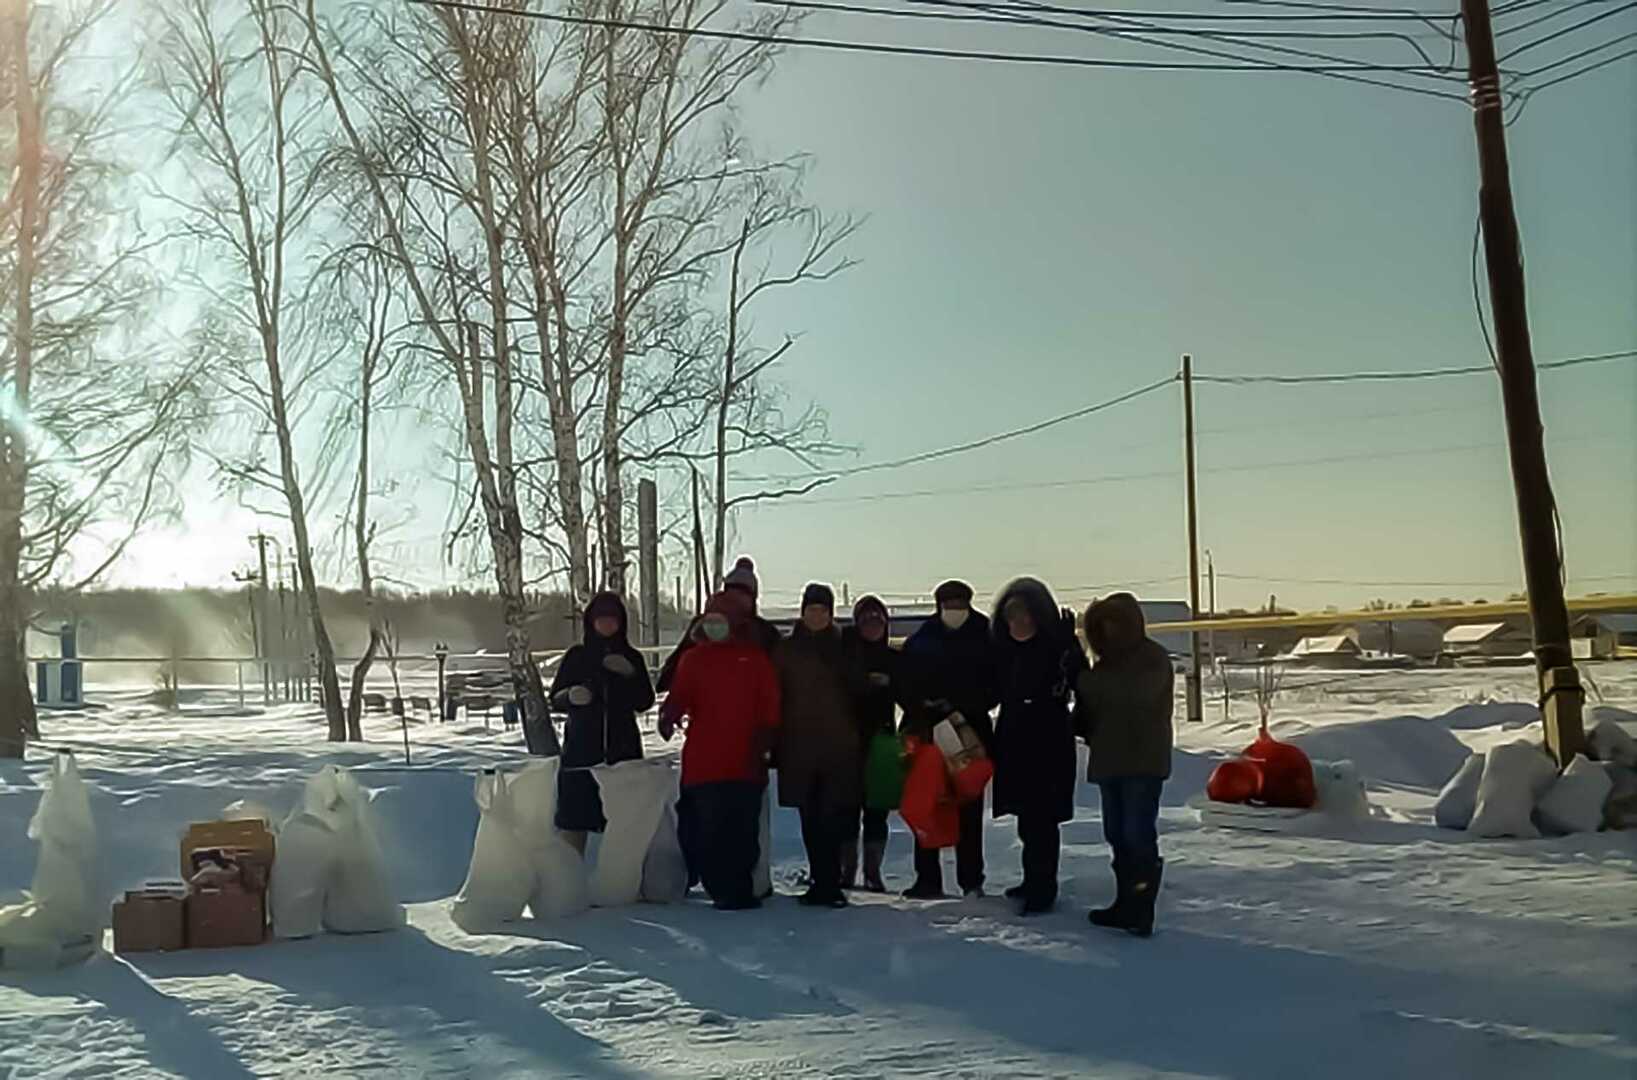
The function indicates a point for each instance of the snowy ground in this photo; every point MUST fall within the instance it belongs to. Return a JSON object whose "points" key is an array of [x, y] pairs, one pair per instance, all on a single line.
{"points": [[1393, 949]]}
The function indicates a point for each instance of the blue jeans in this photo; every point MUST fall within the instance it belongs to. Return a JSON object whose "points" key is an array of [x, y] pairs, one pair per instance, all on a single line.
{"points": [[1131, 813]]}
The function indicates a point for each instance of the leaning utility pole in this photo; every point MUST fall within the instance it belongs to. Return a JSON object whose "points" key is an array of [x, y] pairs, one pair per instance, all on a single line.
{"points": [[1196, 700], [1561, 696]]}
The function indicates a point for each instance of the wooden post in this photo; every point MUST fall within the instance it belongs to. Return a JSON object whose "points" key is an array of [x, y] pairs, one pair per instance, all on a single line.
{"points": [[648, 558], [1561, 694], [1196, 712]]}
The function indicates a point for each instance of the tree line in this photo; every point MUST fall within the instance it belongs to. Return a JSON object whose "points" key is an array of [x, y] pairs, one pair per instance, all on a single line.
{"points": [[274, 242]]}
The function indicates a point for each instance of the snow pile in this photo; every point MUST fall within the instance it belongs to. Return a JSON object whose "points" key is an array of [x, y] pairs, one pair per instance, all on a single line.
{"points": [[1515, 776], [59, 914], [331, 870], [664, 868], [1405, 750], [1609, 741]]}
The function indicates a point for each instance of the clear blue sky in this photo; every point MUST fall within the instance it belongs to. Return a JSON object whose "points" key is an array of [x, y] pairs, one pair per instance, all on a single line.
{"points": [[1042, 238]]}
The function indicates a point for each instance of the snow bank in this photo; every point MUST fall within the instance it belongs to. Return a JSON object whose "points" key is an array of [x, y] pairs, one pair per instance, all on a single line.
{"points": [[1574, 804], [62, 908], [1458, 800], [1406, 750]]}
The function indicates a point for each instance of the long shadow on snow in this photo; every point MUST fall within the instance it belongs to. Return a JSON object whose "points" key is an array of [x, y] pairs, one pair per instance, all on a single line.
{"points": [[392, 981], [173, 1038], [1181, 1002], [681, 946]]}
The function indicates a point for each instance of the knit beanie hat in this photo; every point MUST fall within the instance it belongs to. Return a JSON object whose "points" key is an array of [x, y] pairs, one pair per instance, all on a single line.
{"points": [[743, 576], [818, 593], [870, 604], [953, 591]]}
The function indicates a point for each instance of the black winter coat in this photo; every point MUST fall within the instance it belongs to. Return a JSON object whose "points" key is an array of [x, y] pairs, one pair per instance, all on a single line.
{"points": [[874, 706], [605, 731], [1125, 701], [944, 671], [1034, 736], [817, 752]]}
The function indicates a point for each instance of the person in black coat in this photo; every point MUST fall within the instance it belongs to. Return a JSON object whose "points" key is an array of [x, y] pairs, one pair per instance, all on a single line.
{"points": [[1038, 659], [875, 665], [602, 685], [948, 667]]}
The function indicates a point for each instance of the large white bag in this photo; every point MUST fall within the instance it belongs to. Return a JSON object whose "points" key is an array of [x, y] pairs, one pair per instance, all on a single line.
{"points": [[1458, 801], [330, 860], [633, 797], [762, 880], [1575, 802], [1611, 743], [664, 869], [61, 909], [560, 888], [502, 876], [1515, 776]]}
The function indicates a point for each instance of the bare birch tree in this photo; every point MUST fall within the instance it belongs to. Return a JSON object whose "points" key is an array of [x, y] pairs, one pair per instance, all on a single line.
{"points": [[92, 415], [232, 73]]}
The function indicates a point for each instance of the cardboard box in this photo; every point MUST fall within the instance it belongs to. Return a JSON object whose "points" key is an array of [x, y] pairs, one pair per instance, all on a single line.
{"points": [[226, 916], [959, 743], [252, 837], [150, 921]]}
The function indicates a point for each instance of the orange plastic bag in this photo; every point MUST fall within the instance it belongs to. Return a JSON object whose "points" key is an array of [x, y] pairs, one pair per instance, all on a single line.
{"points": [[970, 780], [1236, 781], [1287, 774], [929, 807]]}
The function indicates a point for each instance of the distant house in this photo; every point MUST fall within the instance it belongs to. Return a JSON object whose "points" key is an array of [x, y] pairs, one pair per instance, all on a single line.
{"points": [[1477, 642], [1419, 638], [1603, 636], [1328, 650]]}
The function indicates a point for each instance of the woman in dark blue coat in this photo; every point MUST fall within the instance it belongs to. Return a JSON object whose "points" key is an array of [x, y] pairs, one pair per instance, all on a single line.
{"points": [[1037, 659], [603, 686]]}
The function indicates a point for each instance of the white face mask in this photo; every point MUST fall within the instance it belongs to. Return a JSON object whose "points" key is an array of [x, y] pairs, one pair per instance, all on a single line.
{"points": [[715, 628], [954, 618]]}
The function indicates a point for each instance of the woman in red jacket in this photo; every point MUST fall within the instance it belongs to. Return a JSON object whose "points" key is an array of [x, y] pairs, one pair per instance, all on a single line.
{"points": [[728, 691]]}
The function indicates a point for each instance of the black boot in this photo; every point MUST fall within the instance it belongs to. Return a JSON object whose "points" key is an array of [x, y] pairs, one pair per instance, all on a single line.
{"points": [[1145, 891], [925, 890], [849, 865], [1113, 916], [875, 852], [1018, 891]]}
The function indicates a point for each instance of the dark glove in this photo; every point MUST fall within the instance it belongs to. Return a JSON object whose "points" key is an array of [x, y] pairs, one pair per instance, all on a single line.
{"points": [[667, 725]]}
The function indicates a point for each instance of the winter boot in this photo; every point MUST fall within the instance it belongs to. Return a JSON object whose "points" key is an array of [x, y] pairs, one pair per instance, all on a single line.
{"points": [[822, 896], [925, 890], [1145, 891], [874, 854], [1113, 916], [1018, 891], [849, 866]]}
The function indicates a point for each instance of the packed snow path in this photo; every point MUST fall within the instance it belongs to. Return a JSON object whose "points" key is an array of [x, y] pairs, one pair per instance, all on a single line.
{"points": [[1394, 950]]}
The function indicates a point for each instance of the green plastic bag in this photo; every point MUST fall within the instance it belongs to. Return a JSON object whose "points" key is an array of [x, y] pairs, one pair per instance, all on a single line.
{"points": [[884, 771]]}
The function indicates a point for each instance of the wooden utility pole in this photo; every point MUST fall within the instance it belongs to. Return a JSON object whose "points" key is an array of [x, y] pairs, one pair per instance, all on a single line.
{"points": [[648, 558], [1196, 705], [1561, 696], [260, 540]]}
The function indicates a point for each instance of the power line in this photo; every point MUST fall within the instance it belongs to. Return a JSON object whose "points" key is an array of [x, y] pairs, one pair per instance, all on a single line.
{"points": [[1582, 54], [1509, 583], [1004, 436], [882, 48], [1400, 376], [1581, 25], [1158, 474], [1555, 13], [1605, 62]]}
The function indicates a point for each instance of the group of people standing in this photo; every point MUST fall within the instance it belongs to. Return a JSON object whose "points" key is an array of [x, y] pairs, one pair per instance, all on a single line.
{"points": [[809, 706]]}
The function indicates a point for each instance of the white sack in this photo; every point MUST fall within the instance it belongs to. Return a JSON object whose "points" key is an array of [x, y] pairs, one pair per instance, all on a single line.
{"points": [[1611, 743], [1340, 790], [1574, 804], [1515, 777], [501, 877], [762, 880], [302, 870], [560, 887], [664, 869], [361, 898], [1458, 801], [633, 796], [61, 908]]}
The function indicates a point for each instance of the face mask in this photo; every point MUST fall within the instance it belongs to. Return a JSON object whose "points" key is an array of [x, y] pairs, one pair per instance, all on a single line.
{"points": [[954, 618], [715, 628]]}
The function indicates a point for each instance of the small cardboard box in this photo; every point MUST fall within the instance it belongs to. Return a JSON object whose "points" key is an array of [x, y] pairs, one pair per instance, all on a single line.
{"points": [[150, 921], [226, 916], [252, 837], [959, 742]]}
